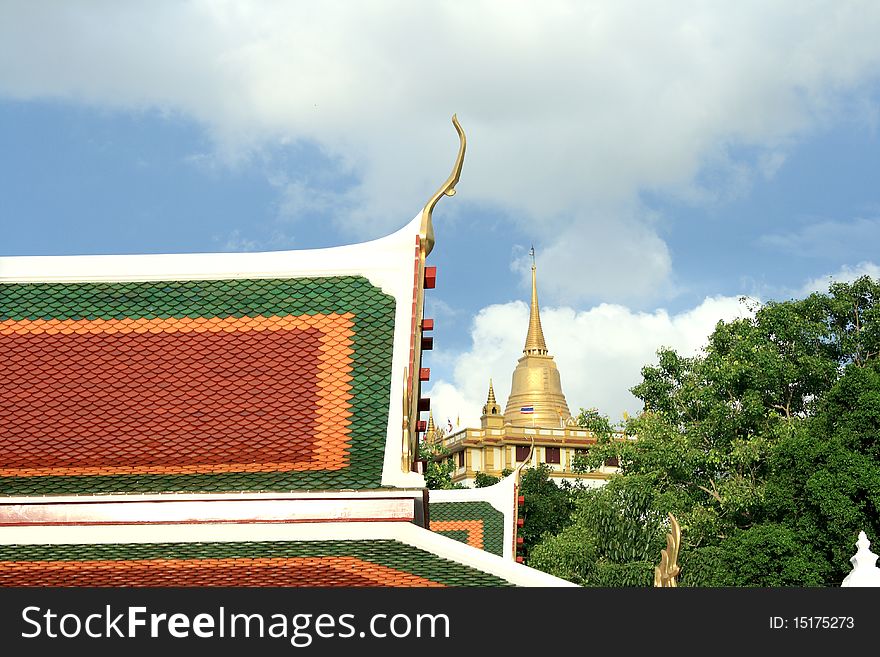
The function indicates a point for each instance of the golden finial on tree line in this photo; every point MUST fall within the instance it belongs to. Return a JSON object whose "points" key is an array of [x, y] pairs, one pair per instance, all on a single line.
{"points": [[667, 571]]}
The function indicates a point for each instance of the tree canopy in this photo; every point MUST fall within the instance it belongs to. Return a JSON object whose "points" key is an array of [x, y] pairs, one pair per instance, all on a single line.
{"points": [[766, 447], [438, 465]]}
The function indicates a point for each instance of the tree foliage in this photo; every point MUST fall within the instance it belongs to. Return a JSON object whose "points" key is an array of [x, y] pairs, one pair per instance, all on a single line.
{"points": [[825, 476], [592, 419], [547, 507], [614, 534], [602, 429], [482, 480], [766, 447], [438, 466]]}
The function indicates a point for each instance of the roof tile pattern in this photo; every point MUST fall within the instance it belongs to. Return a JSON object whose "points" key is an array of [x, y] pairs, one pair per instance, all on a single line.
{"points": [[267, 563], [478, 524], [232, 385]]}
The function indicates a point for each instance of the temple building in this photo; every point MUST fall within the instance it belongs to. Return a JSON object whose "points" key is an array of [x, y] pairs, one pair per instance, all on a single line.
{"points": [[535, 427], [233, 419]]}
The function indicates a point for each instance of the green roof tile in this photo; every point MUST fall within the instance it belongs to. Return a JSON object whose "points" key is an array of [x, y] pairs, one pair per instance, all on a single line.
{"points": [[392, 554], [372, 341], [492, 522]]}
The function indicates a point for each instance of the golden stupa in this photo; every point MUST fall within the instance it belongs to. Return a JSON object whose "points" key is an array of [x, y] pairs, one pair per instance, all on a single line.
{"points": [[536, 384], [536, 427]]}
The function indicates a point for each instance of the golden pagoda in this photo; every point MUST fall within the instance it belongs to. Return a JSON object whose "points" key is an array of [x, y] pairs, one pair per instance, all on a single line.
{"points": [[536, 397], [536, 425]]}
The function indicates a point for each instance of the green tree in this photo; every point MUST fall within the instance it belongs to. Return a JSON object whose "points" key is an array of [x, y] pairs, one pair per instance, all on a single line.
{"points": [[438, 466], [765, 446], [482, 480], [592, 419], [601, 427], [614, 538], [853, 311], [547, 507], [824, 481], [765, 555]]}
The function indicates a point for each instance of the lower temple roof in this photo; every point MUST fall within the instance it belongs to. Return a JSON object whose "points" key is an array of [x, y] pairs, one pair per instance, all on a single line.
{"points": [[310, 554], [276, 563]]}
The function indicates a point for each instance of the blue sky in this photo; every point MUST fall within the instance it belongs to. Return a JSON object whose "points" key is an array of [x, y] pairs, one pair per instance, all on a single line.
{"points": [[663, 162]]}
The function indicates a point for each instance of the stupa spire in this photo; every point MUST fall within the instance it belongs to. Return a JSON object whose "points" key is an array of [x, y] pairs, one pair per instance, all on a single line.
{"points": [[430, 430], [536, 398], [535, 344], [491, 399], [492, 417]]}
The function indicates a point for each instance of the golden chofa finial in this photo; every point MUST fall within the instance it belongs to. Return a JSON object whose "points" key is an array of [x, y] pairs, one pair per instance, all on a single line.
{"points": [[667, 571], [446, 189]]}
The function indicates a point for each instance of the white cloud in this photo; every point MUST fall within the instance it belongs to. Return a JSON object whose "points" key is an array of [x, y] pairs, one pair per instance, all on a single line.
{"points": [[846, 274], [770, 162], [571, 108], [579, 263], [441, 311], [302, 201], [599, 353], [235, 241], [829, 239]]}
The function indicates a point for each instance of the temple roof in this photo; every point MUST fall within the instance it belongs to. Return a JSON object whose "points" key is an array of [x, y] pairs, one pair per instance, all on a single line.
{"points": [[245, 419], [206, 372], [263, 563]]}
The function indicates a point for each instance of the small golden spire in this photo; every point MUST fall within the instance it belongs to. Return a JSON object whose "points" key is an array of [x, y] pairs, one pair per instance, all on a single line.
{"points": [[492, 417], [535, 344], [431, 430]]}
